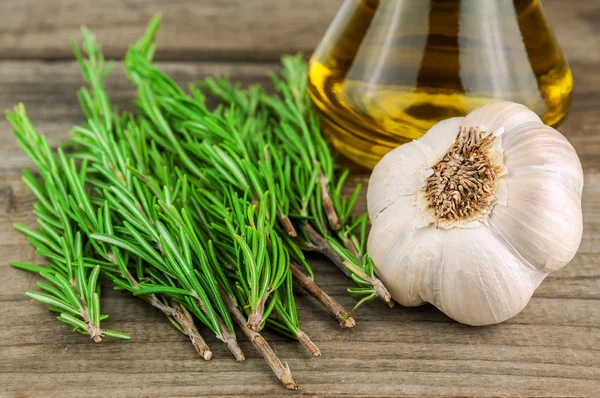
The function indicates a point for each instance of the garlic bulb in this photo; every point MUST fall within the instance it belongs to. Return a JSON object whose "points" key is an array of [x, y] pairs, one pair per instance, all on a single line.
{"points": [[474, 215]]}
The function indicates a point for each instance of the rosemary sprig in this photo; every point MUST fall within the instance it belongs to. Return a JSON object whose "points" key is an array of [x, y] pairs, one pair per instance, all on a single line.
{"points": [[305, 188], [248, 238], [261, 259], [72, 287]]}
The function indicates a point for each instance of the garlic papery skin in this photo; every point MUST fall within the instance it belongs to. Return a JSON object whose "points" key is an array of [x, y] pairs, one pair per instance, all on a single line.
{"points": [[474, 215]]}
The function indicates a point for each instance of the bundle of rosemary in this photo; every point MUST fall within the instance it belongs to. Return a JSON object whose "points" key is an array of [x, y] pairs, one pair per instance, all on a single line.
{"points": [[203, 214], [240, 275], [262, 142]]}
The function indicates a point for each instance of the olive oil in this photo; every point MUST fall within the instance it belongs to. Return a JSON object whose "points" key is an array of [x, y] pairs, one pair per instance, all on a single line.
{"points": [[388, 70]]}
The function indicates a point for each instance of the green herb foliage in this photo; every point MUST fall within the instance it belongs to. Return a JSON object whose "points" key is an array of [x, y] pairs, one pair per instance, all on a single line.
{"points": [[145, 219], [261, 143], [200, 212], [64, 214]]}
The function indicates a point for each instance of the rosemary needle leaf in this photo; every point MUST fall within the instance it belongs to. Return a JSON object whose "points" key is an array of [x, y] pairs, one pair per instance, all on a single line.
{"points": [[51, 301], [92, 283], [27, 266], [116, 334], [68, 319], [152, 289], [52, 290]]}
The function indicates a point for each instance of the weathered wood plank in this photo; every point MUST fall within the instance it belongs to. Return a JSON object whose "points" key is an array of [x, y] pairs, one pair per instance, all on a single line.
{"points": [[193, 30], [219, 29], [419, 349]]}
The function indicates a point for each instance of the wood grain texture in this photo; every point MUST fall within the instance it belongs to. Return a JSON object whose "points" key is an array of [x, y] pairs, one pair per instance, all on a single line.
{"points": [[194, 29], [221, 29], [550, 349]]}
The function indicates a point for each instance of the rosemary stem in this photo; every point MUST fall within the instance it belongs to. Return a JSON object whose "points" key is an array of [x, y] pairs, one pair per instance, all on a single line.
{"points": [[231, 343], [256, 316], [322, 246], [308, 344], [380, 290], [332, 216], [341, 315], [227, 337], [281, 371], [94, 332], [176, 311], [287, 225], [183, 318], [348, 244]]}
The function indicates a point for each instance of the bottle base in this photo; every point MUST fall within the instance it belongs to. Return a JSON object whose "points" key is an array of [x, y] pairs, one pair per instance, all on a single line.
{"points": [[361, 152]]}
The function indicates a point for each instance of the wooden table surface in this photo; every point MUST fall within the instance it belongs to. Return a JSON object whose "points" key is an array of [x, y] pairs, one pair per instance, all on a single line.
{"points": [[551, 349]]}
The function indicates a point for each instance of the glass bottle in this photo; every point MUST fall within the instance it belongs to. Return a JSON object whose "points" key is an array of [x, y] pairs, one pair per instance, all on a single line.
{"points": [[387, 70]]}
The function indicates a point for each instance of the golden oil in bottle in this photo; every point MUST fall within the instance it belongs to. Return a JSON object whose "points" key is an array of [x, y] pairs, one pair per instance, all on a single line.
{"points": [[388, 70]]}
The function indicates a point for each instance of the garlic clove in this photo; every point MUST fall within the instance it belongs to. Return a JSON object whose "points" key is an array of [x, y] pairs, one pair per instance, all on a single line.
{"points": [[531, 147], [545, 239], [481, 283], [500, 114], [542, 220], [398, 242], [405, 160]]}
